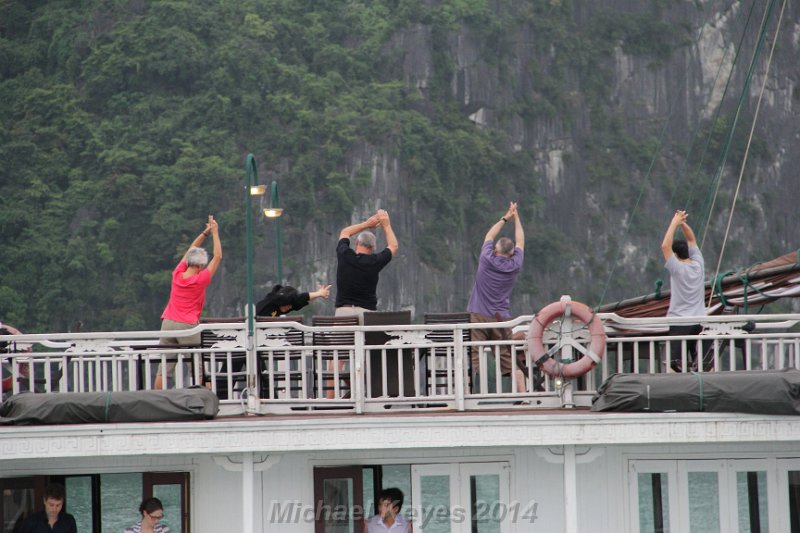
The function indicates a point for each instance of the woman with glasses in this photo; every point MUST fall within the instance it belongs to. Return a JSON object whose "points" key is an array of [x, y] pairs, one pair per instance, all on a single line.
{"points": [[152, 513]]}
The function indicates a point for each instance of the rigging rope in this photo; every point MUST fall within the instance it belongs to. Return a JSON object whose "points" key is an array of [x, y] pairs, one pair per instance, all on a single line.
{"points": [[750, 138]]}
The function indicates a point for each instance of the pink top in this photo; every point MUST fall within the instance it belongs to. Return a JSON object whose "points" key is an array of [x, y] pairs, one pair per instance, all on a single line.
{"points": [[187, 295]]}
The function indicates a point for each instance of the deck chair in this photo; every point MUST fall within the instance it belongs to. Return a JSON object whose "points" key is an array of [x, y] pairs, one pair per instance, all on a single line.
{"points": [[438, 364], [282, 373], [225, 368], [394, 356], [330, 380]]}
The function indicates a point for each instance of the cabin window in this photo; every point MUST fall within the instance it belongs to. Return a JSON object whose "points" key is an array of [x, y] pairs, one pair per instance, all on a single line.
{"points": [[465, 498], [19, 499], [80, 490], [653, 503], [794, 501], [439, 498], [716, 496], [704, 501], [751, 496], [99, 502]]}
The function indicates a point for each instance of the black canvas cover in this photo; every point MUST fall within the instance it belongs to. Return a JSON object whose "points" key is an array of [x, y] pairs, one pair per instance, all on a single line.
{"points": [[197, 403], [774, 392]]}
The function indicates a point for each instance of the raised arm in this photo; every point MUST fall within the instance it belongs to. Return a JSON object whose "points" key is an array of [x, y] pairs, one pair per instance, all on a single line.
{"points": [[678, 219], [349, 231], [213, 265], [495, 229], [691, 240], [519, 233], [199, 240], [391, 238]]}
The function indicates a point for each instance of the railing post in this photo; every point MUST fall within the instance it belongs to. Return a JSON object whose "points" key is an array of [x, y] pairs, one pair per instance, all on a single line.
{"points": [[251, 363], [458, 367], [358, 388]]}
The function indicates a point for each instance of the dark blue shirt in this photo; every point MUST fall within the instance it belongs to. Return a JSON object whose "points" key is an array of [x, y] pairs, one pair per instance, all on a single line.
{"points": [[37, 523]]}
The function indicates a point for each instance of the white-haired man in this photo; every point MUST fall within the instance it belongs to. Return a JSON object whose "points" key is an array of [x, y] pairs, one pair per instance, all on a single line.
{"points": [[357, 270], [188, 293]]}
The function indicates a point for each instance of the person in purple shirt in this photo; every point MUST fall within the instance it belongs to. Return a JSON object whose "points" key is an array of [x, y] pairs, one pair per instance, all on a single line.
{"points": [[498, 267]]}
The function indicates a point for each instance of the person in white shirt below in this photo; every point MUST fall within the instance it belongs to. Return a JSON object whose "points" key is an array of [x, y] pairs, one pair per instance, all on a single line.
{"points": [[687, 285], [390, 501]]}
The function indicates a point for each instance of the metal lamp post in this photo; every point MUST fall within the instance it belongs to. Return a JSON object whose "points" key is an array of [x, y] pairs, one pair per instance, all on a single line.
{"points": [[252, 189], [274, 211]]}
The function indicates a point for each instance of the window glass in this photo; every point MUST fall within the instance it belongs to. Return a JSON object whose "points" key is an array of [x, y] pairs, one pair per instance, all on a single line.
{"points": [[794, 500], [399, 476], [170, 496], [120, 497], [338, 494], [487, 511], [751, 496], [79, 500], [653, 503], [435, 500], [704, 502], [17, 503], [368, 480]]}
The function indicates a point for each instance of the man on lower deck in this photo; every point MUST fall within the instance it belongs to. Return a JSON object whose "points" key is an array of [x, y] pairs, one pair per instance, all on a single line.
{"points": [[498, 267]]}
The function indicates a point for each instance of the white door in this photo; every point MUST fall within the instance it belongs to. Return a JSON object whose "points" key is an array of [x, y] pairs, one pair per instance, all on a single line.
{"points": [[461, 498], [715, 496], [789, 494]]}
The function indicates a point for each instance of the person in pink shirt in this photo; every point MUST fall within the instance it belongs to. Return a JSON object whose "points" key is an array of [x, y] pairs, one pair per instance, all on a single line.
{"points": [[188, 293]]}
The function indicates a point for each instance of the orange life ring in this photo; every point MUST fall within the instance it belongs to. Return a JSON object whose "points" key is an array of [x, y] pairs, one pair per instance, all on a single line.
{"points": [[548, 314]]}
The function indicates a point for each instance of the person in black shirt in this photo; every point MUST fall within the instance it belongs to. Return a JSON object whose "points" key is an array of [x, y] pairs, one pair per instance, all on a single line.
{"points": [[357, 271], [282, 299], [53, 519]]}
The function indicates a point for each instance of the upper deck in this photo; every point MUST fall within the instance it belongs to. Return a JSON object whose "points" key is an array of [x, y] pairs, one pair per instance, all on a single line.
{"points": [[288, 367]]}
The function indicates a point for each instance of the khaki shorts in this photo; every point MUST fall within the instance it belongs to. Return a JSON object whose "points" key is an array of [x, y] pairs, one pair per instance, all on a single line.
{"points": [[352, 310], [172, 325]]}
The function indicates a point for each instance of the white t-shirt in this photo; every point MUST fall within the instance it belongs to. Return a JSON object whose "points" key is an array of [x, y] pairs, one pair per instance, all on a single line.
{"points": [[400, 525], [687, 285]]}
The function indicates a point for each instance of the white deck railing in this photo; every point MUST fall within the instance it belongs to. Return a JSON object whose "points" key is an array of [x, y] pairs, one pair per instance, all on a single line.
{"points": [[421, 366]]}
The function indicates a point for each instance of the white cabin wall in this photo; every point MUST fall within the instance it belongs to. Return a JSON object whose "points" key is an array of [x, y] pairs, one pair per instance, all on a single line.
{"points": [[600, 504], [290, 483], [216, 497], [538, 481]]}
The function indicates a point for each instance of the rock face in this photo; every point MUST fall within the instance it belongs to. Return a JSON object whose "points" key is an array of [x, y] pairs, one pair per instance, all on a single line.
{"points": [[602, 212]]}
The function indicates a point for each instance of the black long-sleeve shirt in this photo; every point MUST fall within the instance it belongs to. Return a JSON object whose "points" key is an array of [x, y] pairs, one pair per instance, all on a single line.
{"points": [[37, 523]]}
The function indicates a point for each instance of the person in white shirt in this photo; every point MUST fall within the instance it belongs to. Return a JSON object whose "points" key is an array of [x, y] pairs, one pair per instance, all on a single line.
{"points": [[686, 269], [390, 501]]}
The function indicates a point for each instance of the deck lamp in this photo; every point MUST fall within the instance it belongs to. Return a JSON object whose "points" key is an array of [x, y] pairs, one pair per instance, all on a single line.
{"points": [[274, 211]]}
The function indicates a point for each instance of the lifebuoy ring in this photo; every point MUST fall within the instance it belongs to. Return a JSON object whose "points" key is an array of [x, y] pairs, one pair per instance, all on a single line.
{"points": [[548, 314]]}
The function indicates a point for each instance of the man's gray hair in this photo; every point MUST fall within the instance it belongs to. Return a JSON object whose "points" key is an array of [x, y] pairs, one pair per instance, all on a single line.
{"points": [[196, 257], [367, 239], [504, 246]]}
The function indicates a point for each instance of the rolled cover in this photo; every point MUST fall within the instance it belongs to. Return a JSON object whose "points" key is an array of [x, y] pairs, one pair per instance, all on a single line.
{"points": [[196, 403], [775, 392]]}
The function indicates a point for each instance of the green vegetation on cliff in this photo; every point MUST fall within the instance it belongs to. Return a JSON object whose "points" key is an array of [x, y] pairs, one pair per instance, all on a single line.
{"points": [[125, 122]]}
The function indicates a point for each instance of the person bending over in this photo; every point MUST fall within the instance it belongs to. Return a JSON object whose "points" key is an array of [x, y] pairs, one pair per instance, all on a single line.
{"points": [[281, 300]]}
